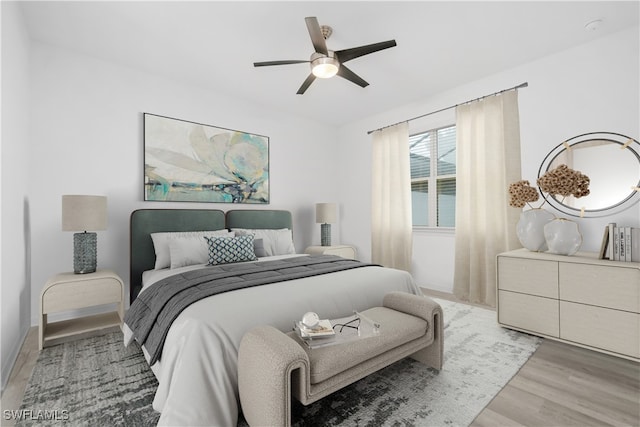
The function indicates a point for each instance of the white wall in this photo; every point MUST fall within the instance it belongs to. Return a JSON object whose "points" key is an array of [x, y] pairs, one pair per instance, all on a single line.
{"points": [[591, 88], [15, 290], [87, 139]]}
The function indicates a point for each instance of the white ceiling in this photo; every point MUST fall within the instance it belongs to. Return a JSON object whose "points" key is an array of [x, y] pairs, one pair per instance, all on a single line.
{"points": [[441, 45]]}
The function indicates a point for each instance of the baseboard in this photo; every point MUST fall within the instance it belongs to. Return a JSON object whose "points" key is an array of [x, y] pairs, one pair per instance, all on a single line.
{"points": [[9, 363]]}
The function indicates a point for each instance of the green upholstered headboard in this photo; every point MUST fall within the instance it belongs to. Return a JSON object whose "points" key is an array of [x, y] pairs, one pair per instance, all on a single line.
{"points": [[147, 221], [259, 219]]}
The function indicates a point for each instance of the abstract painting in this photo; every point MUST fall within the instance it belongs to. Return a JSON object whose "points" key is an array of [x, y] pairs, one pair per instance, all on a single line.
{"points": [[191, 162]]}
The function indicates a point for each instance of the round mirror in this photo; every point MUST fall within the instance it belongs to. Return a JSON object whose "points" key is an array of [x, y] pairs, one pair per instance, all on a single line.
{"points": [[610, 160]]}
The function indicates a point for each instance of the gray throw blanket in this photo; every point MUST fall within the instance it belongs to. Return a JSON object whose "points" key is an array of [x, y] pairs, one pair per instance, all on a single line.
{"points": [[155, 309]]}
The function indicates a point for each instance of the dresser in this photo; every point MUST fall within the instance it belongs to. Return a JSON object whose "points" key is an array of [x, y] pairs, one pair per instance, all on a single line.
{"points": [[577, 299]]}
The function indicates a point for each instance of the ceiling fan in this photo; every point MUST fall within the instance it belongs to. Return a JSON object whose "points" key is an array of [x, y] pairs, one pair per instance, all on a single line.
{"points": [[326, 63]]}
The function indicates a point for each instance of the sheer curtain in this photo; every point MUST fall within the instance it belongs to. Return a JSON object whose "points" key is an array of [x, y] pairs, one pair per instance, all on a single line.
{"points": [[488, 144], [391, 223]]}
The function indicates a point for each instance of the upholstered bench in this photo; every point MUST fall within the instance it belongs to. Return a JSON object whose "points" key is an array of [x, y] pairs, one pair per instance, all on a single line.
{"points": [[273, 365]]}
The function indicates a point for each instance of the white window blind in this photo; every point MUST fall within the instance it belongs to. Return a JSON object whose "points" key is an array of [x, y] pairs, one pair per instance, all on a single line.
{"points": [[433, 177]]}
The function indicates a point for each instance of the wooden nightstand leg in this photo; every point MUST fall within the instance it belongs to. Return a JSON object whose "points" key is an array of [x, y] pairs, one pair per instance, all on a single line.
{"points": [[43, 324], [121, 312]]}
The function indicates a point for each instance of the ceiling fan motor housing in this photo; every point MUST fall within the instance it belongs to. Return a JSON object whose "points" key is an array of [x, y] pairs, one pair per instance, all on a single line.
{"points": [[324, 66]]}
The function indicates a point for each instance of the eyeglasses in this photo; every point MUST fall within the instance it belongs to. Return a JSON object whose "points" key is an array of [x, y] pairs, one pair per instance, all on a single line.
{"points": [[354, 324]]}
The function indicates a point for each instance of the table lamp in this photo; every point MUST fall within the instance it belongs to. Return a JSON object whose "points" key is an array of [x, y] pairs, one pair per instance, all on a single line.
{"points": [[86, 214], [326, 214]]}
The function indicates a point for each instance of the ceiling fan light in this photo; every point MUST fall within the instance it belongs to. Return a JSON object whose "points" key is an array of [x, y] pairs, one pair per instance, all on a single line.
{"points": [[325, 67]]}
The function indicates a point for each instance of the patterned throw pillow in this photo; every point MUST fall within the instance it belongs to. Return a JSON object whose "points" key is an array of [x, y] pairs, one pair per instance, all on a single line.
{"points": [[225, 250]]}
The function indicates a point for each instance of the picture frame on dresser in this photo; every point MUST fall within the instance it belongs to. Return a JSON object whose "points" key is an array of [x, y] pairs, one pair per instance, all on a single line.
{"points": [[185, 161], [604, 246]]}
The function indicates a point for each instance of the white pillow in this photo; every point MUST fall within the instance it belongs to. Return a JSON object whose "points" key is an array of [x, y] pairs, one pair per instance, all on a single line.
{"points": [[185, 251], [276, 242], [161, 243]]}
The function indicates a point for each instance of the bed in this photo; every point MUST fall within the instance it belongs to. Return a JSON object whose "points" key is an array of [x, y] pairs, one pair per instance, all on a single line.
{"points": [[197, 364]]}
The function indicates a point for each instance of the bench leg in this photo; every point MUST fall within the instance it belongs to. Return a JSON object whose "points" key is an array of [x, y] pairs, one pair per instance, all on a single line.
{"points": [[433, 355]]}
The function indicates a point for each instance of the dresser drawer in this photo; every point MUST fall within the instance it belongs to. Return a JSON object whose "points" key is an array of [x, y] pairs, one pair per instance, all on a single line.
{"points": [[603, 328], [535, 314], [612, 287], [535, 277]]}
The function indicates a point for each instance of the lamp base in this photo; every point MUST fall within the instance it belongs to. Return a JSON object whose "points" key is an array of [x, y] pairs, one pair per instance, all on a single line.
{"points": [[85, 252], [325, 234]]}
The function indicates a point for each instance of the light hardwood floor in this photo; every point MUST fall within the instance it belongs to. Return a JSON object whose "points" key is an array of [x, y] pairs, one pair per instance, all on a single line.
{"points": [[560, 385], [563, 385], [26, 361]]}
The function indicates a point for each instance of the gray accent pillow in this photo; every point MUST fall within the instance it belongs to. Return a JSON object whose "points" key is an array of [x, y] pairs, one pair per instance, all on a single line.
{"points": [[258, 248]]}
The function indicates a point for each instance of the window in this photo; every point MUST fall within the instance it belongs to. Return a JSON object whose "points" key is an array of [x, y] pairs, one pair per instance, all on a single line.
{"points": [[433, 167]]}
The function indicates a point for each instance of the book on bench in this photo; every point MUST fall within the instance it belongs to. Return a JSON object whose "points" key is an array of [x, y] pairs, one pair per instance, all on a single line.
{"points": [[335, 331], [323, 330]]}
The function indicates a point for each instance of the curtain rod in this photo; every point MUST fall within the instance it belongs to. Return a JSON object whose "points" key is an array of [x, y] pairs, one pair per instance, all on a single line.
{"points": [[521, 85]]}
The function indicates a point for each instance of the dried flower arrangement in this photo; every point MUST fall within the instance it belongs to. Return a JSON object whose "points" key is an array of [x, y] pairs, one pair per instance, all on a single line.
{"points": [[562, 181]]}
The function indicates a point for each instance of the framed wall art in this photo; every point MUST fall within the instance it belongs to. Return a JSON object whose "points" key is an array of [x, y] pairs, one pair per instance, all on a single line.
{"points": [[192, 162]]}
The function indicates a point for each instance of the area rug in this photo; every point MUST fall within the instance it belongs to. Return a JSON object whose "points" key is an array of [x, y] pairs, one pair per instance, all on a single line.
{"points": [[90, 382], [96, 381]]}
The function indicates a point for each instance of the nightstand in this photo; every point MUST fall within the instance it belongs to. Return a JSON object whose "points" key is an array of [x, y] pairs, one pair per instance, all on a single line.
{"points": [[344, 251], [69, 291]]}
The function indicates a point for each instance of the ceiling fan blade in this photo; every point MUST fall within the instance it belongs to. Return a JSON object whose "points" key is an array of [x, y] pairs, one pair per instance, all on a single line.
{"points": [[317, 38], [355, 52], [346, 73], [306, 84], [268, 63]]}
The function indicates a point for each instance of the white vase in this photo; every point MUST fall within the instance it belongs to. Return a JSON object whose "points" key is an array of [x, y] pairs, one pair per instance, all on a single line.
{"points": [[563, 236], [530, 229]]}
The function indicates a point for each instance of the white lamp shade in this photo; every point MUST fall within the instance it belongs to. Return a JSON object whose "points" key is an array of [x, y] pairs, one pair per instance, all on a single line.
{"points": [[326, 213], [84, 213]]}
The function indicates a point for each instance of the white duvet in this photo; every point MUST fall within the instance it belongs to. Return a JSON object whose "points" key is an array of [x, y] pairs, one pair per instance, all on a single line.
{"points": [[197, 372]]}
